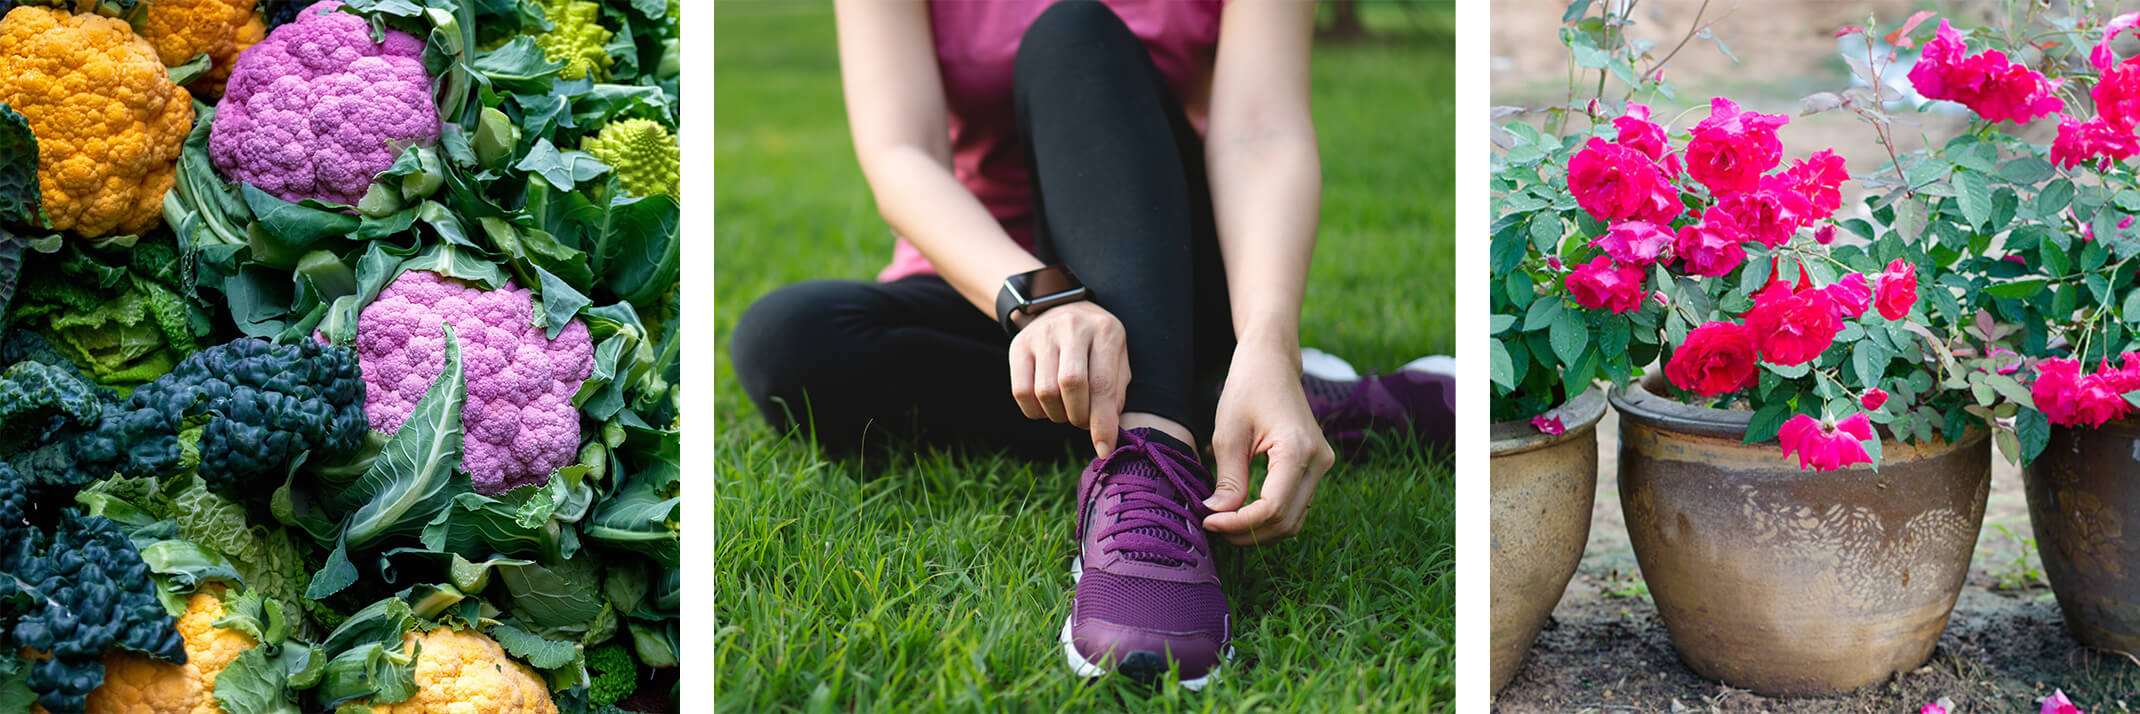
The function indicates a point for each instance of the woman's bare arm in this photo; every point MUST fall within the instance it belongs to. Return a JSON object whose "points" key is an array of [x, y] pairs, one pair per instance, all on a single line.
{"points": [[1266, 191], [896, 112], [1266, 176]]}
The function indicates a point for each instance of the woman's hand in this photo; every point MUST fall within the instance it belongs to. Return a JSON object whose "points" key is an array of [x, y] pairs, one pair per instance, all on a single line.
{"points": [[1071, 364], [1263, 411]]}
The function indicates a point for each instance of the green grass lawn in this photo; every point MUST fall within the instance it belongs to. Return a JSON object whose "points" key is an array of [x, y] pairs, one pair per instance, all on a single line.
{"points": [[940, 582]]}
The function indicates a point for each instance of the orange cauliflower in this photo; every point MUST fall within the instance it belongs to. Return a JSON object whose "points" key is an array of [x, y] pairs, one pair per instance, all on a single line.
{"points": [[108, 120], [466, 672], [182, 29], [136, 684]]}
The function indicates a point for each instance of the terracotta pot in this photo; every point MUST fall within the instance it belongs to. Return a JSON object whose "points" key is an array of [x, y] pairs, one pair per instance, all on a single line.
{"points": [[1543, 486], [2084, 490], [1789, 582]]}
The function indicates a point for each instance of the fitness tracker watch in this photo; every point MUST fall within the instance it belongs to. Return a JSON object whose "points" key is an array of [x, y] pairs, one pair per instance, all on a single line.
{"points": [[1035, 292]]}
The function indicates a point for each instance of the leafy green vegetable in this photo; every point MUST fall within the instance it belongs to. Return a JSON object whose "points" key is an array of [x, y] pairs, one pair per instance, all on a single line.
{"points": [[410, 482], [21, 201]]}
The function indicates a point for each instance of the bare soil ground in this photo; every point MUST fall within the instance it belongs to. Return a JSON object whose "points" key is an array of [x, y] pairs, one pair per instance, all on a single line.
{"points": [[1605, 650]]}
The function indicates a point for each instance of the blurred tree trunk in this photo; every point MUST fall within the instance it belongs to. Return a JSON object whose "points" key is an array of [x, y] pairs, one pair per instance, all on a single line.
{"points": [[1344, 22]]}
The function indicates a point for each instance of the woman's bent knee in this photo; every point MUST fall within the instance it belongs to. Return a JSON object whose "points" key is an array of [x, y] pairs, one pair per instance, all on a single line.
{"points": [[781, 341]]}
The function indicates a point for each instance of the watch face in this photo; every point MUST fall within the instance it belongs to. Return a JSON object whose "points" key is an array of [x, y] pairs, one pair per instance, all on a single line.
{"points": [[1048, 283]]}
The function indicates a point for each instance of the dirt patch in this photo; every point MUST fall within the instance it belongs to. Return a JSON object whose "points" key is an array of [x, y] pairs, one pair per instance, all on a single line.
{"points": [[2006, 646]]}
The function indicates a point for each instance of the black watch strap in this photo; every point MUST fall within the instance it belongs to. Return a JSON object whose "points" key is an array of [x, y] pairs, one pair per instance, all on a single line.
{"points": [[1007, 302]]}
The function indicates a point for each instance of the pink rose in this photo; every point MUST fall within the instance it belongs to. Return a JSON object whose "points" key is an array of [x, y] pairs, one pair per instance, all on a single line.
{"points": [[1768, 215], [1825, 445], [1710, 248], [1732, 149], [2068, 398], [1603, 285], [1873, 398], [1615, 183], [1639, 133], [1718, 357], [1633, 243], [2093, 140], [1792, 326], [2057, 703], [1851, 295], [1548, 425], [1986, 82], [1897, 290], [1819, 179], [1932, 708]]}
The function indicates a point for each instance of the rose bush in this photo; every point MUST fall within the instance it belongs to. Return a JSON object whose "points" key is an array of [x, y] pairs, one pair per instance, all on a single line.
{"points": [[1701, 252], [2044, 233]]}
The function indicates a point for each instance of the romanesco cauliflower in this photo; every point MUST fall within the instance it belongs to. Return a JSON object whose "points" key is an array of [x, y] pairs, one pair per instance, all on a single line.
{"points": [[576, 39], [643, 153]]}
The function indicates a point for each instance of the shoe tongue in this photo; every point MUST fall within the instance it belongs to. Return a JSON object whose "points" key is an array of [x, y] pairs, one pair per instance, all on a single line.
{"points": [[1141, 468]]}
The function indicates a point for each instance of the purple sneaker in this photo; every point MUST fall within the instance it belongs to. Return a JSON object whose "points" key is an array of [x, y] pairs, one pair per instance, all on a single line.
{"points": [[1147, 592], [1414, 397]]}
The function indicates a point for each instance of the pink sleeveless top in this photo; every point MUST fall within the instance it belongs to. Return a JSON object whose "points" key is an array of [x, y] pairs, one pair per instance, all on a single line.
{"points": [[976, 44]]}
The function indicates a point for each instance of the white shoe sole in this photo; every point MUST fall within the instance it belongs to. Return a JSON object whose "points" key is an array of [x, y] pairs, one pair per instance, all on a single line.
{"points": [[1088, 669], [1323, 365]]}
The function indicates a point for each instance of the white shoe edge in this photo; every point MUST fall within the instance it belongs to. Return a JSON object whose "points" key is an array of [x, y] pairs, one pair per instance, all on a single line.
{"points": [[1323, 365], [1433, 364], [1085, 668]]}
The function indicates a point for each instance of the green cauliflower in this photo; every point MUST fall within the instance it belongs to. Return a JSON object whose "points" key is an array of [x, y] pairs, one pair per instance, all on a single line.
{"points": [[643, 153], [576, 38], [615, 674]]}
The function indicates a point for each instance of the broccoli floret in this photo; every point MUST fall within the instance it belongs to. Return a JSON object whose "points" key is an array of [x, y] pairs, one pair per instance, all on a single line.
{"points": [[71, 594], [614, 675], [268, 404]]}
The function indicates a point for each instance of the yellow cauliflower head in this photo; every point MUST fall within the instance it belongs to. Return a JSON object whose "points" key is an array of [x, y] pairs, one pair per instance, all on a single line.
{"points": [[137, 684], [466, 672], [182, 29], [108, 120]]}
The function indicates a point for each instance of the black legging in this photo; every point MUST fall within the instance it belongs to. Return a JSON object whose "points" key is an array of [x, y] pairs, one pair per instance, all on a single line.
{"points": [[1120, 197]]}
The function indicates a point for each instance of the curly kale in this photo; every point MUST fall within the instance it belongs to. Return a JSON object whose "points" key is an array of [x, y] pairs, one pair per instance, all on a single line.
{"points": [[57, 429], [71, 593], [268, 403], [247, 408]]}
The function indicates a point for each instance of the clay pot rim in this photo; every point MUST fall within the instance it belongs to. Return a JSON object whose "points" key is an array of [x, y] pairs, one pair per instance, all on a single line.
{"points": [[1636, 401], [1579, 416]]}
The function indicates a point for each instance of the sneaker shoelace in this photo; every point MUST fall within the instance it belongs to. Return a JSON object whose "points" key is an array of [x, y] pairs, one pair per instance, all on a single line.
{"points": [[1153, 521]]}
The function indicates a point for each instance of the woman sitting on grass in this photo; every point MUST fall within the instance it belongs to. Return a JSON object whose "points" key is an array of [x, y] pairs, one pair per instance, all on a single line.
{"points": [[1046, 169]]}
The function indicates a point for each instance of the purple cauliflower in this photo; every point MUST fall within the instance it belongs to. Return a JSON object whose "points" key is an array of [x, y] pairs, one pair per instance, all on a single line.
{"points": [[519, 423], [318, 109]]}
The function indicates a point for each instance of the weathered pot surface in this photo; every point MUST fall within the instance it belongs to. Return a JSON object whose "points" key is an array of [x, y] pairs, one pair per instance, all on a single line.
{"points": [[1543, 487], [1789, 582], [2084, 492]]}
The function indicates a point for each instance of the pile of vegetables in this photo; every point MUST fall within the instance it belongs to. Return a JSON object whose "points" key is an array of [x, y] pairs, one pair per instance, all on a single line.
{"points": [[338, 356]]}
